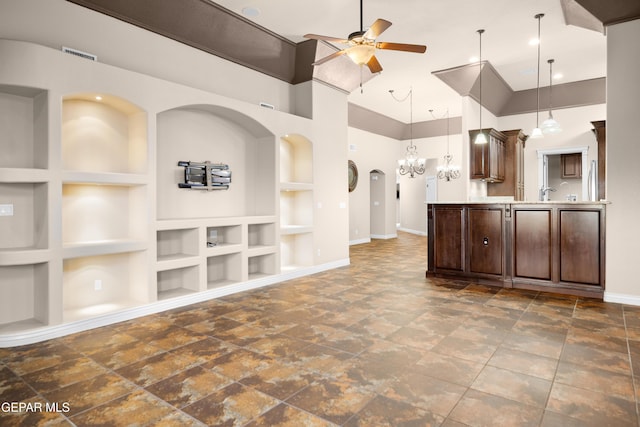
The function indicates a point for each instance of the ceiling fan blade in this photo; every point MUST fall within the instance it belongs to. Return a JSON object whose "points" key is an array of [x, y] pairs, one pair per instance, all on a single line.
{"points": [[416, 48], [374, 65], [325, 38], [330, 57], [377, 28]]}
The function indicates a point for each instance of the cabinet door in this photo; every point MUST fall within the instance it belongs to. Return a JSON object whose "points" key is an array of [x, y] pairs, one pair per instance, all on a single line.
{"points": [[532, 250], [485, 240], [496, 159], [580, 246], [571, 165], [448, 243], [479, 156]]}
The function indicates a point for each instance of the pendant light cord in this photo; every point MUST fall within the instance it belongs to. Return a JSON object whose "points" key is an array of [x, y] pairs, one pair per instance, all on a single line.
{"points": [[480, 75], [538, 17], [550, 61]]}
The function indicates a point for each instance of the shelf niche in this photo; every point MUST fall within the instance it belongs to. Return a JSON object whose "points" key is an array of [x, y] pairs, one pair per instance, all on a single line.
{"points": [[296, 202], [103, 284], [211, 133], [23, 296], [106, 136], [24, 122]]}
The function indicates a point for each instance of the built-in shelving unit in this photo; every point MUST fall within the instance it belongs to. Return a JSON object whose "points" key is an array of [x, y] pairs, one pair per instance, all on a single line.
{"points": [[296, 202], [24, 191], [95, 228], [104, 205]]}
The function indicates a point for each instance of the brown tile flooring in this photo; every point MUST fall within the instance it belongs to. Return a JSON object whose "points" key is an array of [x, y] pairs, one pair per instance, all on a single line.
{"points": [[372, 344]]}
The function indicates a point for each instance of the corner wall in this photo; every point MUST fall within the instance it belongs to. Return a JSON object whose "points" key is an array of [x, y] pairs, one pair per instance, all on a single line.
{"points": [[623, 152]]}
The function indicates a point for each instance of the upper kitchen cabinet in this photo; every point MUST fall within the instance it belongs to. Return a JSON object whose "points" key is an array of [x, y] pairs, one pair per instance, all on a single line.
{"points": [[571, 165], [513, 183], [487, 161]]}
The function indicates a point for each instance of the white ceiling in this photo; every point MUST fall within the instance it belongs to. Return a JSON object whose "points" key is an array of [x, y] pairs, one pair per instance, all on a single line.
{"points": [[449, 29]]}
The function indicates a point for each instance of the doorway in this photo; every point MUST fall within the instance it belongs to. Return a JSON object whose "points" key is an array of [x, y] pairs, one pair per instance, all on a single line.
{"points": [[551, 184], [378, 208]]}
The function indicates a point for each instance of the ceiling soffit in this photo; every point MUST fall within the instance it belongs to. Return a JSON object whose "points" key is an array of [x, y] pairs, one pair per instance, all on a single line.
{"points": [[612, 11]]}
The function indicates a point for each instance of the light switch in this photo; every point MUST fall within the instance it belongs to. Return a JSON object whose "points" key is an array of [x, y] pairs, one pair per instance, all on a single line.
{"points": [[6, 210]]}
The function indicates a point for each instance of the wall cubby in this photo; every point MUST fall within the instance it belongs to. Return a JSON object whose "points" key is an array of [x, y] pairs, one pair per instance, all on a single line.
{"points": [[224, 270], [178, 282], [95, 285], [296, 202], [177, 244], [222, 236], [261, 266], [24, 124], [23, 296]]}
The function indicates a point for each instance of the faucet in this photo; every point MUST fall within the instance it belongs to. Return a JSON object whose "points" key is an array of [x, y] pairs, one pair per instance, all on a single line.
{"points": [[544, 191]]}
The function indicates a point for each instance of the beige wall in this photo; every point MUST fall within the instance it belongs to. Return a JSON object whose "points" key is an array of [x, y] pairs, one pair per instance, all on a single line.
{"points": [[623, 152]]}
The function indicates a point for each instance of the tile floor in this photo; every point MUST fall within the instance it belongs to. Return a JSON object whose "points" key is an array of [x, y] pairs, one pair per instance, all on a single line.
{"points": [[372, 344]]}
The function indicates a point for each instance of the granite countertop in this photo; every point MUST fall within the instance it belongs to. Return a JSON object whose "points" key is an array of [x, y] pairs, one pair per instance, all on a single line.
{"points": [[514, 202]]}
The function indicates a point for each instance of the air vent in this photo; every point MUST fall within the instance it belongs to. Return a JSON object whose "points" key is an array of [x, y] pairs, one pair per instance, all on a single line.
{"points": [[80, 53], [269, 106]]}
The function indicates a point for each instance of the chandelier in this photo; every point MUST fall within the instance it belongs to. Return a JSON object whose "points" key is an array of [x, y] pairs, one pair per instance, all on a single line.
{"points": [[447, 170], [411, 164]]}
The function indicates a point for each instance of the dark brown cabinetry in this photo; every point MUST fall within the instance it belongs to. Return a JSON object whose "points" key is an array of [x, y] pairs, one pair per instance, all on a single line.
{"points": [[513, 182], [571, 165], [487, 160], [485, 240], [467, 240], [553, 247], [448, 253]]}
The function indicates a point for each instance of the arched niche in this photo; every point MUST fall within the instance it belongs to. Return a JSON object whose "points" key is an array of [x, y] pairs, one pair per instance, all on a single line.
{"points": [[103, 133], [217, 134]]}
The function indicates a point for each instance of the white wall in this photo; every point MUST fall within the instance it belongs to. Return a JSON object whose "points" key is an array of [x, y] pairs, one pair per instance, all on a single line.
{"points": [[623, 152]]}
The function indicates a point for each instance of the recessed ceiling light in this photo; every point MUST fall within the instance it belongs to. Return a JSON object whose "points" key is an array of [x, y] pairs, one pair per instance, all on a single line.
{"points": [[534, 42], [558, 76], [250, 11], [473, 59]]}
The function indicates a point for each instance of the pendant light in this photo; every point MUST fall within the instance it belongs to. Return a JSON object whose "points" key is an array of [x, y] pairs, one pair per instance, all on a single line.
{"points": [[480, 137], [537, 132], [550, 126]]}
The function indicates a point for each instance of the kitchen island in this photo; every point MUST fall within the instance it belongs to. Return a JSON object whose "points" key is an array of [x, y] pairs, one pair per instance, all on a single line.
{"points": [[546, 246]]}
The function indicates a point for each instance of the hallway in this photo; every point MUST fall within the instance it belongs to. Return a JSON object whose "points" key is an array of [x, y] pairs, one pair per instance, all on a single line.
{"points": [[371, 344]]}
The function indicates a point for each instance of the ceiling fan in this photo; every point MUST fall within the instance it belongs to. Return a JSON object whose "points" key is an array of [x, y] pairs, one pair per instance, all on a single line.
{"points": [[363, 44]]}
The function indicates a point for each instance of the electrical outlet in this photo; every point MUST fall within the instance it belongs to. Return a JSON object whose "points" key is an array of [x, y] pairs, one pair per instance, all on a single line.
{"points": [[97, 284], [6, 210]]}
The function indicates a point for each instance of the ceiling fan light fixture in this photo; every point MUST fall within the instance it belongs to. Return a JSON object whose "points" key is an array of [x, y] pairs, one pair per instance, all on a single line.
{"points": [[361, 54]]}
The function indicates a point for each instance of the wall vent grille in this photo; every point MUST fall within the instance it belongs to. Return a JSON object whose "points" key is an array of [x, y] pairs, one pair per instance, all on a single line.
{"points": [[80, 53]]}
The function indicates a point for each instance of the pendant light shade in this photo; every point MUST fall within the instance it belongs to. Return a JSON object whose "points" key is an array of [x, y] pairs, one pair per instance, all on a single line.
{"points": [[481, 138], [550, 125], [537, 132]]}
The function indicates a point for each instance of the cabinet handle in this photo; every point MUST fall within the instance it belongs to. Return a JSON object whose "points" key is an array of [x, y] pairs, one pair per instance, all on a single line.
{"points": [[485, 241]]}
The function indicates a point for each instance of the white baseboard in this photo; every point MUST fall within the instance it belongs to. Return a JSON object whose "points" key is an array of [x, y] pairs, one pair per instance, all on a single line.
{"points": [[359, 241], [408, 230], [384, 236], [49, 332], [622, 298]]}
